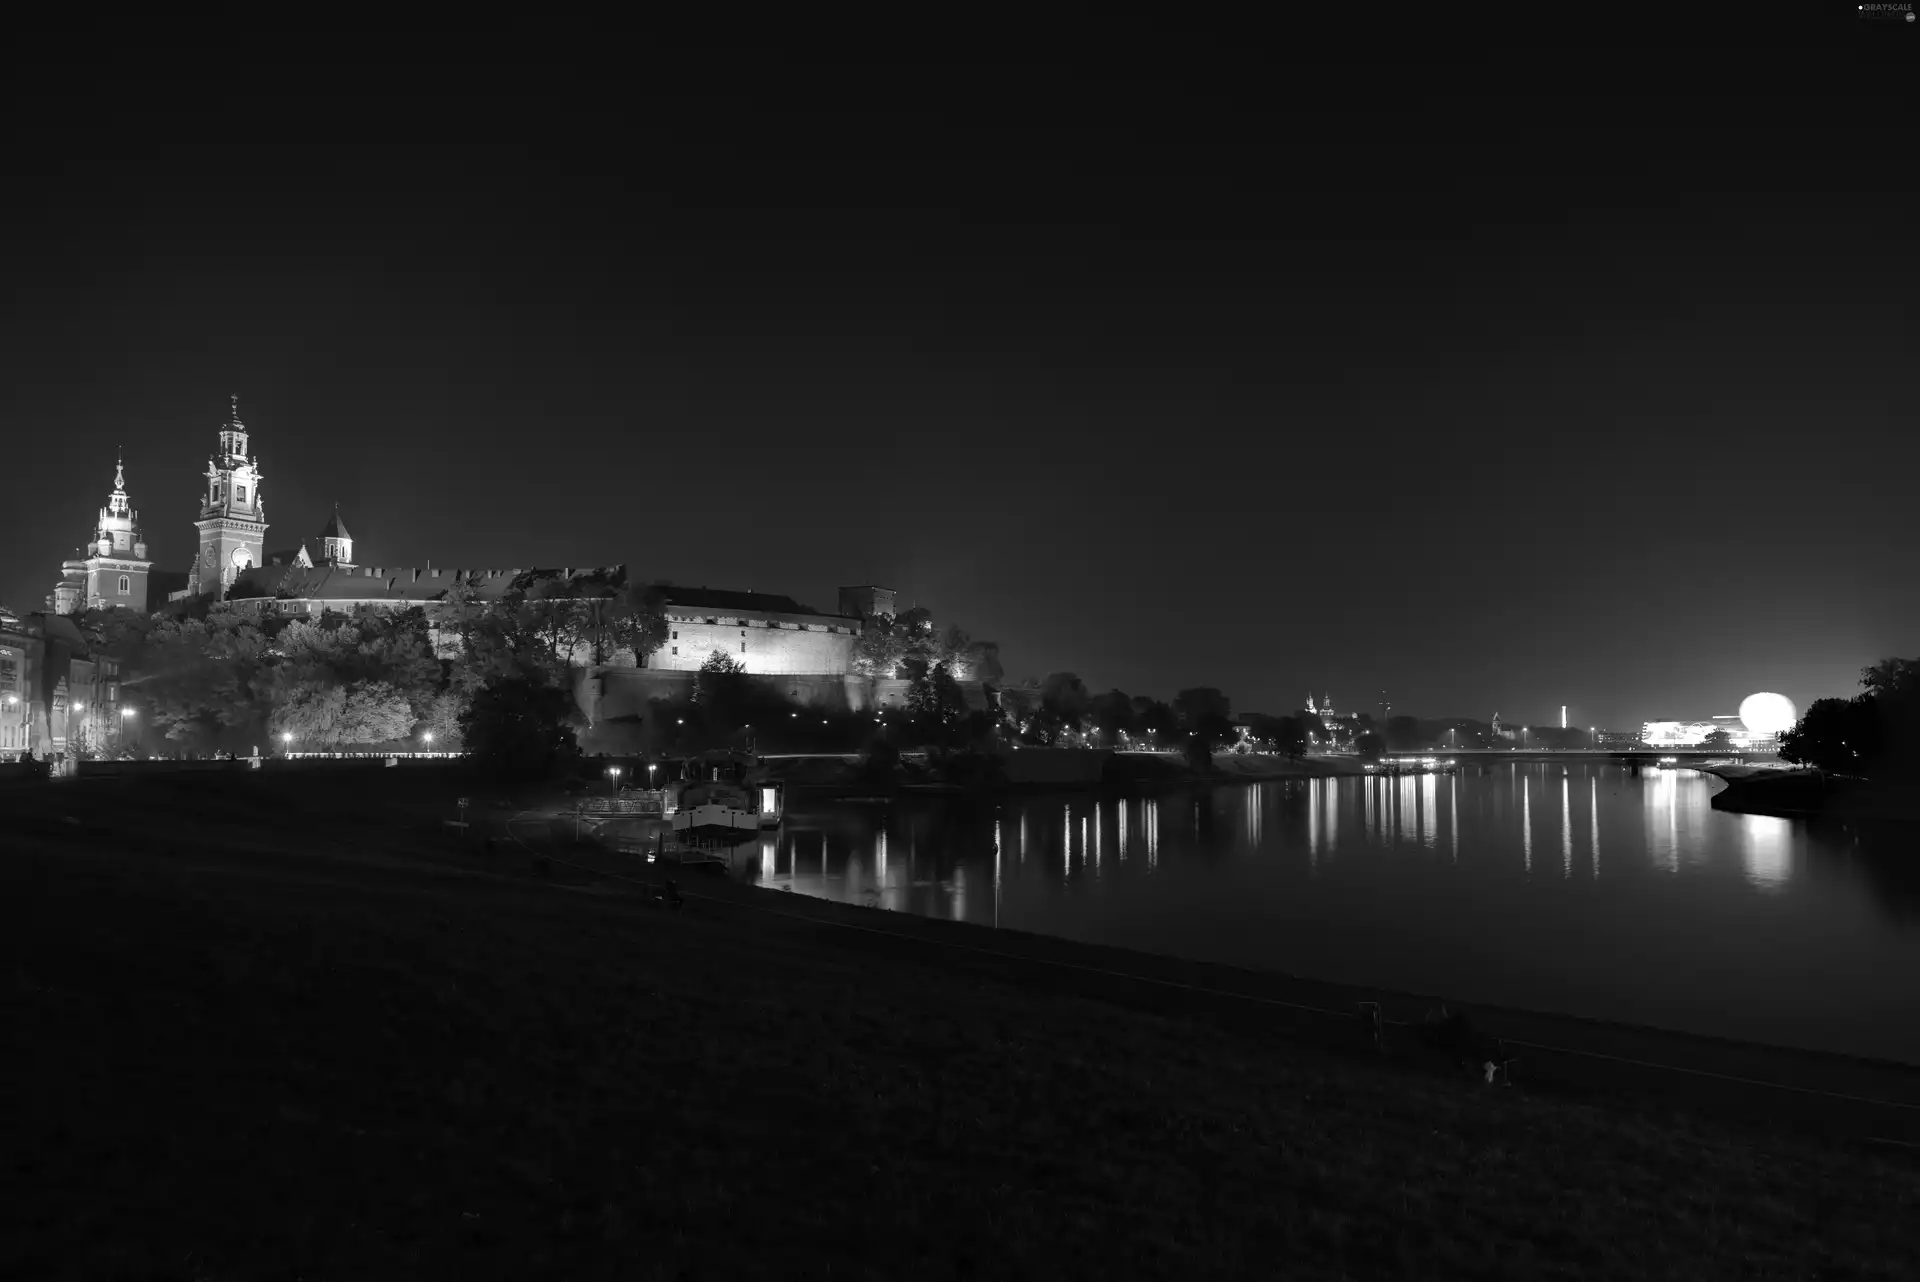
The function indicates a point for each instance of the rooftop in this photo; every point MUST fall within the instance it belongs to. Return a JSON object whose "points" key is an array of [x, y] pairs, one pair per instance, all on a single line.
{"points": [[721, 599]]}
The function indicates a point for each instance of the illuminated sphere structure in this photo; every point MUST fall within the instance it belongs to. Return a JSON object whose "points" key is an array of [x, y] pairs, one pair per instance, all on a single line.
{"points": [[1768, 714]]}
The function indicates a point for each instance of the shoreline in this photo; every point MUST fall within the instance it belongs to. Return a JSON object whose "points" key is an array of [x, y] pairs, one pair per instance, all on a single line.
{"points": [[1562, 1052], [1812, 795], [265, 1035], [1556, 1051]]}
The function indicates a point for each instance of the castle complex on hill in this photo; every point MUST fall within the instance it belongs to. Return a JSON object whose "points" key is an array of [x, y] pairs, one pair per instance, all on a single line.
{"points": [[774, 637]]}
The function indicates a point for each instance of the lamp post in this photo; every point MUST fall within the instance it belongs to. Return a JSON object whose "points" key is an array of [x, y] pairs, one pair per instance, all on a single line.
{"points": [[286, 741], [613, 781]]}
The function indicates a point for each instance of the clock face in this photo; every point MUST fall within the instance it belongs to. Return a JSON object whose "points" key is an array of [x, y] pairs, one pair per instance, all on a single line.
{"points": [[242, 558]]}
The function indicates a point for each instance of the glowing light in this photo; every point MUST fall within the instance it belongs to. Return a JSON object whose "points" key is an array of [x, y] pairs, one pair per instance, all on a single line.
{"points": [[428, 736], [1768, 714], [1526, 820], [286, 737]]}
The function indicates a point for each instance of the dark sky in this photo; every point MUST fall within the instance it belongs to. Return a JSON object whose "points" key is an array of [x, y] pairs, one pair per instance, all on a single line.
{"points": [[1540, 377]]}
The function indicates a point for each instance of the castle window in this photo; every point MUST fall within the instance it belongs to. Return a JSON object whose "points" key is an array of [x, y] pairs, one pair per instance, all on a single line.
{"points": [[240, 494], [743, 632], [676, 637], [743, 647], [676, 649], [126, 585], [9, 672]]}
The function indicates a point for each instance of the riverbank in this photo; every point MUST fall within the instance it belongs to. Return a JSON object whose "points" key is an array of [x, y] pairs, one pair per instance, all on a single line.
{"points": [[288, 1033], [1812, 794]]}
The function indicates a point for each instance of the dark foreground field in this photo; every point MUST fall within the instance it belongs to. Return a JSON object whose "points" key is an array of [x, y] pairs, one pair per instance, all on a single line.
{"points": [[251, 1034]]}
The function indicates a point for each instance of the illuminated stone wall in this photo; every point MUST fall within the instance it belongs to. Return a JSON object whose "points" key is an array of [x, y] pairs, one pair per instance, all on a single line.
{"points": [[769, 645]]}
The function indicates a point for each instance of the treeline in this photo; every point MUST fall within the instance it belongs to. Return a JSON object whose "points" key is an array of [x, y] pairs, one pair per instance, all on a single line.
{"points": [[1062, 712], [1874, 735]]}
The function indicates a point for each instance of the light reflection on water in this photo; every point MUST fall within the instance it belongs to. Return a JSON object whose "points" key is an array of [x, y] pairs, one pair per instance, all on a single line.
{"points": [[1705, 921]]}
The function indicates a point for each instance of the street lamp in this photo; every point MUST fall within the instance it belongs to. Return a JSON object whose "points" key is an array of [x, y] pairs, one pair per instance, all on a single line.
{"points": [[613, 780]]}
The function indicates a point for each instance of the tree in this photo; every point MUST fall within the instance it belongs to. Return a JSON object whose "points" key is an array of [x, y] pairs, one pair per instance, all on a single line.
{"points": [[1403, 734], [1063, 711], [1112, 715], [633, 620], [935, 702], [1192, 704], [1717, 739], [722, 689], [879, 649], [350, 679], [1207, 716], [519, 726], [1892, 687], [1840, 736], [1370, 745], [1290, 737], [195, 678]]}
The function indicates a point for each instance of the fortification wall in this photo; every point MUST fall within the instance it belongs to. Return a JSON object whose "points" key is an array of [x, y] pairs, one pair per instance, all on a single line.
{"points": [[772, 647]]}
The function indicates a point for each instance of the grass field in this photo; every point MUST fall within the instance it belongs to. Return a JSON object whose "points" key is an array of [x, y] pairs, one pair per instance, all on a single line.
{"points": [[291, 1039]]}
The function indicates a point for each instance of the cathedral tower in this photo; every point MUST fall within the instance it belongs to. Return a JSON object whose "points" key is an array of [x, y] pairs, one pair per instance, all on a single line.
{"points": [[233, 521], [113, 571]]}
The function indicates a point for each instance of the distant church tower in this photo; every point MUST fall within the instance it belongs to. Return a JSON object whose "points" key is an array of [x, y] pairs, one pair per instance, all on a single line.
{"points": [[233, 522], [114, 570], [336, 545]]}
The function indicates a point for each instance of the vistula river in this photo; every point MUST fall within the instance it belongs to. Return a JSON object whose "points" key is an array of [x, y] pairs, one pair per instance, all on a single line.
{"points": [[1581, 888]]}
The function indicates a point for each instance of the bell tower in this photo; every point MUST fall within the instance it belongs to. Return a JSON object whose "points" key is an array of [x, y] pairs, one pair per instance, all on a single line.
{"points": [[233, 520]]}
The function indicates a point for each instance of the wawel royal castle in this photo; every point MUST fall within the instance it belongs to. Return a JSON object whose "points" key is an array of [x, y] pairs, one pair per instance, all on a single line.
{"points": [[771, 636]]}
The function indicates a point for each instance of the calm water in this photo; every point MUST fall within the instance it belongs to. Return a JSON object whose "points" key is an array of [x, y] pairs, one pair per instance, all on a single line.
{"points": [[1580, 888]]}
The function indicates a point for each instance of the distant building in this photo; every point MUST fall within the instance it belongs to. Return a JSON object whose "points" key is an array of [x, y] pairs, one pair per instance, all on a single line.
{"points": [[1342, 728], [57, 697], [1689, 734]]}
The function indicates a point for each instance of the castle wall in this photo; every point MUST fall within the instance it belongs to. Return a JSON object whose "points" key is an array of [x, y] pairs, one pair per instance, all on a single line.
{"points": [[771, 645]]}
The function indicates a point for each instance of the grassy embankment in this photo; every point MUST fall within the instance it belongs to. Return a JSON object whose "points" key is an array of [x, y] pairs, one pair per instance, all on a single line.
{"points": [[254, 1033]]}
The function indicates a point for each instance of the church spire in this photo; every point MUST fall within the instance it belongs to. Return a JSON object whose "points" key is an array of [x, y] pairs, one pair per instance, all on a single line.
{"points": [[120, 471]]}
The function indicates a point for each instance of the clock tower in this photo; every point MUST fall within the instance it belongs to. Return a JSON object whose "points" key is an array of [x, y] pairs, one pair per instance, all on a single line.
{"points": [[233, 522]]}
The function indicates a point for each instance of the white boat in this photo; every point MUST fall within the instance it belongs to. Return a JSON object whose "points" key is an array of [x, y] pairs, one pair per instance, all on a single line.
{"points": [[715, 817], [721, 793]]}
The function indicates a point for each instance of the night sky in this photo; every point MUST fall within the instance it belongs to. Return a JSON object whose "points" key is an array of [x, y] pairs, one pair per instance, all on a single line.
{"points": [[1533, 379]]}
